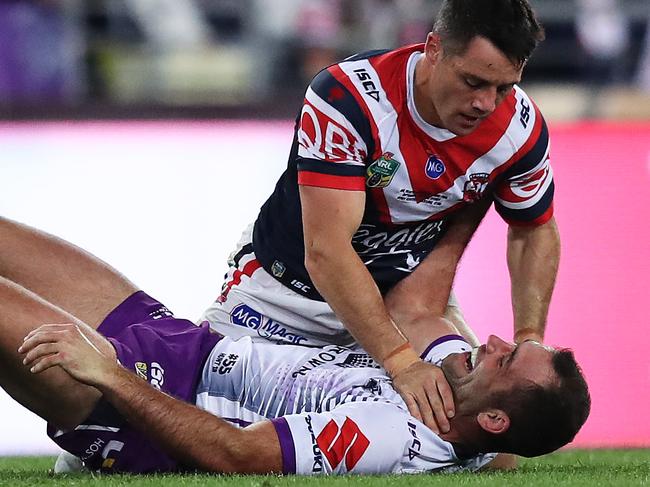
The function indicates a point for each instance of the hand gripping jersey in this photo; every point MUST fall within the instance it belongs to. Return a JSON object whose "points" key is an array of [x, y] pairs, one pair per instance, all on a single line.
{"points": [[359, 130], [333, 408]]}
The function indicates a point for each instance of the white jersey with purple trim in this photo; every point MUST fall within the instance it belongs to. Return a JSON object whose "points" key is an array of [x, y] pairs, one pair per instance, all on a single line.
{"points": [[334, 409]]}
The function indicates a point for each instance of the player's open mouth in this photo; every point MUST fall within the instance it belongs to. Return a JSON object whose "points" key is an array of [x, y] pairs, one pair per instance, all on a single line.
{"points": [[471, 359], [468, 362]]}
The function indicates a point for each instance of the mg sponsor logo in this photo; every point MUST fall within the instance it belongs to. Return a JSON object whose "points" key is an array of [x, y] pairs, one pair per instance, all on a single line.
{"points": [[434, 167], [244, 315]]}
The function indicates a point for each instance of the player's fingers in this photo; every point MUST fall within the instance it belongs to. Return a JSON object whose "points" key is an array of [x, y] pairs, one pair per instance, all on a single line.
{"points": [[39, 338], [48, 327], [427, 409], [412, 406], [446, 395], [40, 351], [438, 410], [44, 363]]}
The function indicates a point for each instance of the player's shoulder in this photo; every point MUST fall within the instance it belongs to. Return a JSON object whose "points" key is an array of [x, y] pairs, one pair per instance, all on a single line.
{"points": [[385, 55], [519, 120], [353, 67]]}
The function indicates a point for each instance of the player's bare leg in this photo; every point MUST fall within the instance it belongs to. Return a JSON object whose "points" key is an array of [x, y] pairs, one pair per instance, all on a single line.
{"points": [[53, 394], [60, 272]]}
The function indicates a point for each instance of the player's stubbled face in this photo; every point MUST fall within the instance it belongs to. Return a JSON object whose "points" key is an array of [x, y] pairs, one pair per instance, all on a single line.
{"points": [[463, 89], [497, 365]]}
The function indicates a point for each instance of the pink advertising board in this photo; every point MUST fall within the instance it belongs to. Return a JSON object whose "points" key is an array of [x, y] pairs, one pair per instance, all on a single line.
{"points": [[599, 308]]}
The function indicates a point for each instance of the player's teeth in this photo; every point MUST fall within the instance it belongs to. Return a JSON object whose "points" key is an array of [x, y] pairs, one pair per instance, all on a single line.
{"points": [[473, 356]]}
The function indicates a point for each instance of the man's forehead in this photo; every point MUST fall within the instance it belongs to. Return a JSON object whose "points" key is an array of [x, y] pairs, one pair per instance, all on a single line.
{"points": [[532, 360], [482, 59]]}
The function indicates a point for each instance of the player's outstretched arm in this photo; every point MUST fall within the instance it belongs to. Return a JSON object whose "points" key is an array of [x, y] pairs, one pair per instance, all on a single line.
{"points": [[194, 437], [533, 260]]}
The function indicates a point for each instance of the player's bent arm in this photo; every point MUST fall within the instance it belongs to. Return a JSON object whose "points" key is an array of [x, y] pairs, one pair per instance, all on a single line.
{"points": [[533, 260], [192, 436], [330, 219]]}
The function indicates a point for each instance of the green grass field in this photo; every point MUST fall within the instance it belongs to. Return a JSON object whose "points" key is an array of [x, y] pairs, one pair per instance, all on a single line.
{"points": [[573, 467]]}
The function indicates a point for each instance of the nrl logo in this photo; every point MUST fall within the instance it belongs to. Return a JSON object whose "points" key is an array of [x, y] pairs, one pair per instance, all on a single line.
{"points": [[278, 268], [474, 188], [380, 173], [141, 370]]}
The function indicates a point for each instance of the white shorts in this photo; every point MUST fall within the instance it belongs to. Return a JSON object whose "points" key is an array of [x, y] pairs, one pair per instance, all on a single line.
{"points": [[253, 303]]}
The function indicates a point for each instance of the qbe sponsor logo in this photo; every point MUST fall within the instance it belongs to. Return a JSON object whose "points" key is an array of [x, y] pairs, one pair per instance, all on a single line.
{"points": [[244, 315]]}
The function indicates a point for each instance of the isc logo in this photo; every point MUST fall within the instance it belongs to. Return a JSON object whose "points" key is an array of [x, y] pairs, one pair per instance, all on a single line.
{"points": [[157, 375], [368, 85], [300, 285]]}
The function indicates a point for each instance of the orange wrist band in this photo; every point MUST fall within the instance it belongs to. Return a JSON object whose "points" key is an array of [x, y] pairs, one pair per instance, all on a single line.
{"points": [[401, 348], [399, 359]]}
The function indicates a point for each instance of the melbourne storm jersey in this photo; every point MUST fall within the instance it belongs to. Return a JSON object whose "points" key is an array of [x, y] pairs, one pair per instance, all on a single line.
{"points": [[359, 130], [334, 409]]}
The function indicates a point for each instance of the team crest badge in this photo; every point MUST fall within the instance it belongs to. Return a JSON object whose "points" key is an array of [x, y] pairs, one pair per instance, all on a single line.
{"points": [[475, 186], [434, 168], [380, 173], [278, 268]]}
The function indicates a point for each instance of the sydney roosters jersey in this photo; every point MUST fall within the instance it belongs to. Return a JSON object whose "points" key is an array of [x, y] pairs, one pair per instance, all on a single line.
{"points": [[359, 130]]}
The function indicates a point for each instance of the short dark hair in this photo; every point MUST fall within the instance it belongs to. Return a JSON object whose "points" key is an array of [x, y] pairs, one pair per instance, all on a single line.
{"points": [[544, 418], [510, 25]]}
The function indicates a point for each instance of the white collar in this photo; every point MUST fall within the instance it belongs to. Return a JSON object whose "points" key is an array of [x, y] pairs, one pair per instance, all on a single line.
{"points": [[436, 133]]}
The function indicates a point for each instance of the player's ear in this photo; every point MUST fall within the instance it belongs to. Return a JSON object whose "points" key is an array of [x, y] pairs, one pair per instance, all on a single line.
{"points": [[433, 48], [494, 421]]}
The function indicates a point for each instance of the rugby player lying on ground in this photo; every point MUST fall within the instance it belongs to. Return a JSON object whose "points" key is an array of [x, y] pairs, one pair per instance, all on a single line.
{"points": [[331, 410]]}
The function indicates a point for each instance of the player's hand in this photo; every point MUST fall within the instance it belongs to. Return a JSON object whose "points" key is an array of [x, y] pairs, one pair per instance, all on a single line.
{"points": [[78, 349], [427, 394]]}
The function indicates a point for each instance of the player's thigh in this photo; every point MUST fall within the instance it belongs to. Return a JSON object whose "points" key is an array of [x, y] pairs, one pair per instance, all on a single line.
{"points": [[61, 272], [53, 394]]}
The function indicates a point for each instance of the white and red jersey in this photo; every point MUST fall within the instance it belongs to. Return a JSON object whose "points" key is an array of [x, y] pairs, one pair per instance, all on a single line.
{"points": [[334, 409], [359, 130]]}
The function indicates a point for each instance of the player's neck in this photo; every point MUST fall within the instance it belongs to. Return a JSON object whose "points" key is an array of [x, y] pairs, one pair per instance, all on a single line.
{"points": [[463, 435], [423, 104]]}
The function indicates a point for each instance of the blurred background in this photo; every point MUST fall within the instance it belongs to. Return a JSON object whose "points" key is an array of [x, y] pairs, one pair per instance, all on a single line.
{"points": [[242, 58], [150, 132]]}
